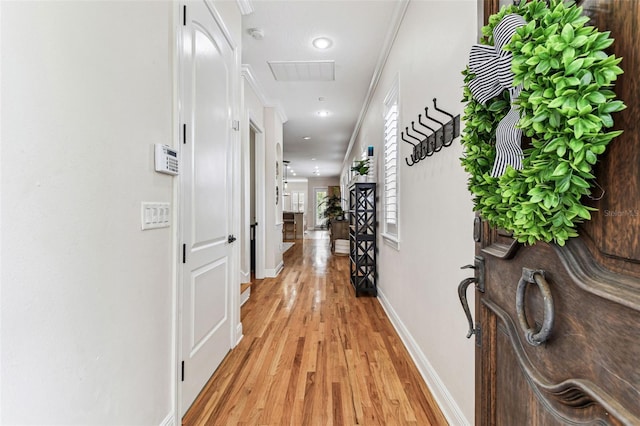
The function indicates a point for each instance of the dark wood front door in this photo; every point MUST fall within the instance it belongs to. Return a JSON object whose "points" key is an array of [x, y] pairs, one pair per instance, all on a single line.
{"points": [[586, 293]]}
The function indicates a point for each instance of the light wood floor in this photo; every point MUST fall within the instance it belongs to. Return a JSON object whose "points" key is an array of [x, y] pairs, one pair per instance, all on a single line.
{"points": [[314, 354]]}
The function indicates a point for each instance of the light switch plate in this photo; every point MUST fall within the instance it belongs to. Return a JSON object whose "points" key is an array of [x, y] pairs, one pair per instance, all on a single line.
{"points": [[155, 215]]}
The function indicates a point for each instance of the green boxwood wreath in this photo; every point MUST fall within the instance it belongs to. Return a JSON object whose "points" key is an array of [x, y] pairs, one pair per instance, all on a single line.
{"points": [[565, 107]]}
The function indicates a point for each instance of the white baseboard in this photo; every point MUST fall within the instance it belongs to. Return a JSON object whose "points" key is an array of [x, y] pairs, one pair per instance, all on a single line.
{"points": [[239, 334], [440, 393], [272, 273], [168, 421], [244, 296]]}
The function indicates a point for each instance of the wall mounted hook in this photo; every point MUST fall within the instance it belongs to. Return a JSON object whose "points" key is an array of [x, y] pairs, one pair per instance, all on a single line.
{"points": [[413, 127], [423, 153], [452, 127], [426, 143], [413, 156], [439, 131]]}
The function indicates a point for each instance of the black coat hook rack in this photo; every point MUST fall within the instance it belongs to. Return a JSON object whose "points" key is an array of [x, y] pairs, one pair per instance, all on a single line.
{"points": [[427, 144]]}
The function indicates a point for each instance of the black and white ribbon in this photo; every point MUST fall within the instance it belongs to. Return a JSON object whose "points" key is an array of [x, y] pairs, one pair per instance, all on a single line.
{"points": [[508, 138], [492, 68]]}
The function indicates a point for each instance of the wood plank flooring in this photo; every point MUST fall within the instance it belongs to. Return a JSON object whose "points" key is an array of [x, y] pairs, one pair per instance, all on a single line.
{"points": [[314, 354]]}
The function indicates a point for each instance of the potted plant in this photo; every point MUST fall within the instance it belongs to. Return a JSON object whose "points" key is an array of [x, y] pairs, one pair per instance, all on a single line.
{"points": [[332, 207], [361, 167]]}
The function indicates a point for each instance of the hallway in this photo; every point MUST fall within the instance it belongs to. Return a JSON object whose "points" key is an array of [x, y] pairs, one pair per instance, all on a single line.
{"points": [[312, 354]]}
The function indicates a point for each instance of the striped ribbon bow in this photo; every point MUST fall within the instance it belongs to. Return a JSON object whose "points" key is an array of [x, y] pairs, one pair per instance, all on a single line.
{"points": [[492, 68]]}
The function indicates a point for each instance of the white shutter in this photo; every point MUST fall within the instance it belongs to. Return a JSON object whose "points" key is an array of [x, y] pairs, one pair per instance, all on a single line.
{"points": [[390, 163]]}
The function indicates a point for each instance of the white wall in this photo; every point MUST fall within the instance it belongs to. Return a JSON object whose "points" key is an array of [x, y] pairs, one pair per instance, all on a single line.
{"points": [[418, 282], [86, 295], [295, 185], [268, 153]]}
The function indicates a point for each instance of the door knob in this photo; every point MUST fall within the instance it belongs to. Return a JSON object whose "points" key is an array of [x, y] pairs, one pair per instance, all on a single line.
{"points": [[231, 239]]}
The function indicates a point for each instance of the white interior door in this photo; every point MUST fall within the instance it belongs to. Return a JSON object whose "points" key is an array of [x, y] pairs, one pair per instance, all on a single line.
{"points": [[206, 201]]}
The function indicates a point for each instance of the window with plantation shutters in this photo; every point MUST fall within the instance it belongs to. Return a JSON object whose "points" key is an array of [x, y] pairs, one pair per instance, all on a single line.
{"points": [[390, 165]]}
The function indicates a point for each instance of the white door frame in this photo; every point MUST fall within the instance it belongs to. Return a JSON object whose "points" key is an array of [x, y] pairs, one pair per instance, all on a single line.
{"points": [[251, 124], [260, 200], [316, 190], [176, 219]]}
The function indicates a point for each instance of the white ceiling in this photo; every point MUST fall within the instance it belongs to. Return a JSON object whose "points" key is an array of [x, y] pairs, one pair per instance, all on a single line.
{"points": [[358, 30]]}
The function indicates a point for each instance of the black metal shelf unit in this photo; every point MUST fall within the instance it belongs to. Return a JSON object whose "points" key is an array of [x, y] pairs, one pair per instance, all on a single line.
{"points": [[362, 238]]}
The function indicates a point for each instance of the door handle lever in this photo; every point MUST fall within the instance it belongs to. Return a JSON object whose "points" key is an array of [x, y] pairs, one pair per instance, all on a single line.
{"points": [[231, 239], [462, 294], [478, 279]]}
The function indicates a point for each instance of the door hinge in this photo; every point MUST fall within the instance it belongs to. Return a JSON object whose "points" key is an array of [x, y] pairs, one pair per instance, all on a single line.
{"points": [[184, 253], [236, 125], [184, 16], [184, 133], [182, 372]]}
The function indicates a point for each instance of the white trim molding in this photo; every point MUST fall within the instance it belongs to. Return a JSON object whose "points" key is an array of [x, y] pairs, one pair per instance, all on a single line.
{"points": [[169, 420], [220, 22], [396, 20], [245, 7], [440, 393], [239, 335], [244, 296], [391, 240], [249, 76], [272, 273]]}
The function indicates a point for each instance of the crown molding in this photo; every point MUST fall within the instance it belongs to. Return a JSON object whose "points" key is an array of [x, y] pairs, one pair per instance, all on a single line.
{"points": [[394, 28], [249, 76], [245, 6], [281, 113]]}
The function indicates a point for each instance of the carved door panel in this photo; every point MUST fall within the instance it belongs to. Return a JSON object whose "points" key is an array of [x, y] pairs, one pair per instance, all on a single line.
{"points": [[558, 328]]}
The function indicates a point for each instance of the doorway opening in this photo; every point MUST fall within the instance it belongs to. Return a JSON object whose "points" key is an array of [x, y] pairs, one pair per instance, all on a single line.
{"points": [[319, 221], [253, 223], [253, 202], [250, 217]]}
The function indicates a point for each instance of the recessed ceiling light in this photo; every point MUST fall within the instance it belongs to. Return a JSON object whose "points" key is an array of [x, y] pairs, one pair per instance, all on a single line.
{"points": [[313, 159], [322, 43], [324, 113], [306, 138]]}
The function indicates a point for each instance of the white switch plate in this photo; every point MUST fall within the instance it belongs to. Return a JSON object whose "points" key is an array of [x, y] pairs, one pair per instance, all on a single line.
{"points": [[155, 215]]}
